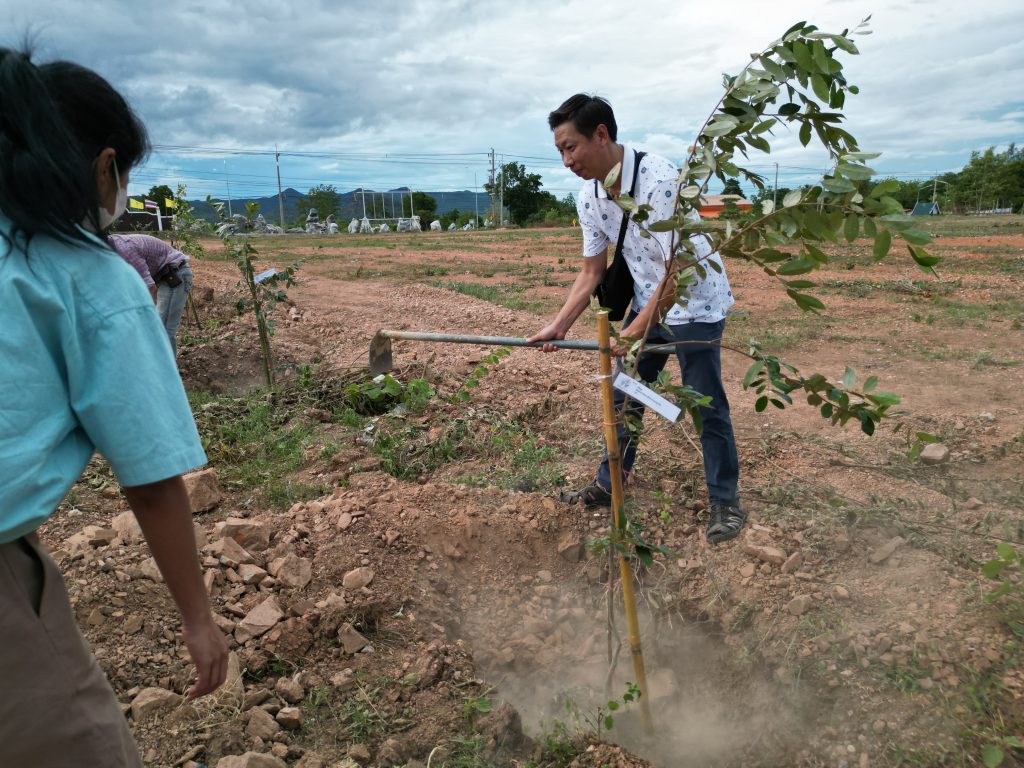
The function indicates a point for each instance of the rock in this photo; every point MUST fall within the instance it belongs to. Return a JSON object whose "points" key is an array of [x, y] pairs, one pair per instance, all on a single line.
{"points": [[570, 547], [973, 503], [839, 592], [503, 727], [799, 605], [344, 680], [934, 453], [88, 537], [390, 753], [251, 760], [231, 694], [344, 521], [203, 490], [428, 667], [261, 724], [391, 536], [764, 553], [747, 570], [884, 552], [793, 563], [249, 533], [229, 552], [290, 718], [153, 701], [289, 690], [133, 625], [351, 640], [310, 760], [292, 571], [290, 639], [357, 578], [149, 570], [127, 527], [258, 621], [360, 753], [251, 573]]}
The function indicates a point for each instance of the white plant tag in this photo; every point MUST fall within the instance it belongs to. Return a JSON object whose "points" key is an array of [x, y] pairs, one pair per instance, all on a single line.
{"points": [[647, 396], [266, 275]]}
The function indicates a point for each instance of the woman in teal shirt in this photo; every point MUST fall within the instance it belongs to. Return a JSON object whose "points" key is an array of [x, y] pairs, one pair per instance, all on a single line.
{"points": [[83, 367]]}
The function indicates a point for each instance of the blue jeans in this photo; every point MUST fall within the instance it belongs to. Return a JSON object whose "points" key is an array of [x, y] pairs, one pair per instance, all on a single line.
{"points": [[170, 303], [701, 367]]}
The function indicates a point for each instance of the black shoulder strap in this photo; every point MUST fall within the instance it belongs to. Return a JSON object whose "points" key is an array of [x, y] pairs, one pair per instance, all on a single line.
{"points": [[637, 157]]}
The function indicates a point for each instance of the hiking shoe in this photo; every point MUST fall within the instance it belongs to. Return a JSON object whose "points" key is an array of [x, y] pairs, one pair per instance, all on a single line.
{"points": [[592, 495], [726, 522]]}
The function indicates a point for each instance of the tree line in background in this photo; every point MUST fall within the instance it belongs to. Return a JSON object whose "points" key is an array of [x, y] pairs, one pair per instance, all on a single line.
{"points": [[991, 181]]}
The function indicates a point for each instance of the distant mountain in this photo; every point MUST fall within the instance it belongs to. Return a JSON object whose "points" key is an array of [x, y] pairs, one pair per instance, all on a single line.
{"points": [[388, 204]]}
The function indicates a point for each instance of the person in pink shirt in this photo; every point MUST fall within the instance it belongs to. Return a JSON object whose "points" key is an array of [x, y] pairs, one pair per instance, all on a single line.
{"points": [[165, 271]]}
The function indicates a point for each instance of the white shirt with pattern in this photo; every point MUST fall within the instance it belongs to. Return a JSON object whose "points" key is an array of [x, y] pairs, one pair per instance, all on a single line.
{"points": [[601, 218]]}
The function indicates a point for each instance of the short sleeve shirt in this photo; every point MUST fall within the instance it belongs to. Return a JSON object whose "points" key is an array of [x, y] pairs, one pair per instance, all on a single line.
{"points": [[147, 254], [601, 219], [87, 367]]}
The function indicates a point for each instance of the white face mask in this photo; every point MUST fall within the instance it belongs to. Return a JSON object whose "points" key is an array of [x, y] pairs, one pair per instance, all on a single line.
{"points": [[106, 218]]}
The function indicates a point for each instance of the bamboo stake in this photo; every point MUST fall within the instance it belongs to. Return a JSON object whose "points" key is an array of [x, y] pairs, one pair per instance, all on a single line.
{"points": [[618, 510]]}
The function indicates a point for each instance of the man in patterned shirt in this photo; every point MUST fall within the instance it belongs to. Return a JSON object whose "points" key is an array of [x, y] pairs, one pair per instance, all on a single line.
{"points": [[585, 135]]}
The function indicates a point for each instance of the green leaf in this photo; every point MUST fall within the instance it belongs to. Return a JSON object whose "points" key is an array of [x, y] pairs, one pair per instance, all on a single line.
{"points": [[790, 109], [806, 302], [820, 87], [763, 126], [792, 198], [992, 756], [849, 377], [819, 55], [884, 188], [797, 267], [870, 383], [774, 69], [803, 56], [668, 225], [882, 242], [851, 225], [870, 228], [855, 171], [609, 721], [752, 373], [846, 44], [916, 236], [627, 203], [924, 259], [613, 175], [1006, 551], [799, 284], [805, 134], [721, 125], [837, 185], [761, 404]]}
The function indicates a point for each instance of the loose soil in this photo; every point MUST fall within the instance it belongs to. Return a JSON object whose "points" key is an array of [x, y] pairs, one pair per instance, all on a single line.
{"points": [[487, 623]]}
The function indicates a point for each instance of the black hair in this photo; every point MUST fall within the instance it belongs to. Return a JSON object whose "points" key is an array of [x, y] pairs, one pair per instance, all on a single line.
{"points": [[55, 119], [586, 113]]}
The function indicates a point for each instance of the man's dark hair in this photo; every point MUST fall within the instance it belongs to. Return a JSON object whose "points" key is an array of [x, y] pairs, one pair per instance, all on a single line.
{"points": [[54, 121], [586, 113]]}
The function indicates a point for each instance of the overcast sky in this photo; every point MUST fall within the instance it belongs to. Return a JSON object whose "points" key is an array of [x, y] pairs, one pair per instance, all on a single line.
{"points": [[416, 93]]}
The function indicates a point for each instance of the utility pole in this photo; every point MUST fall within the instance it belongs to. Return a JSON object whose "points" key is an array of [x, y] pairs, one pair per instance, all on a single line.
{"points": [[501, 195], [775, 191], [280, 195], [493, 218], [476, 204], [362, 193], [228, 182]]}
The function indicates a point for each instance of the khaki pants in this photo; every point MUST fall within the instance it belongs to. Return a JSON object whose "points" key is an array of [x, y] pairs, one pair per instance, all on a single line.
{"points": [[56, 707]]}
